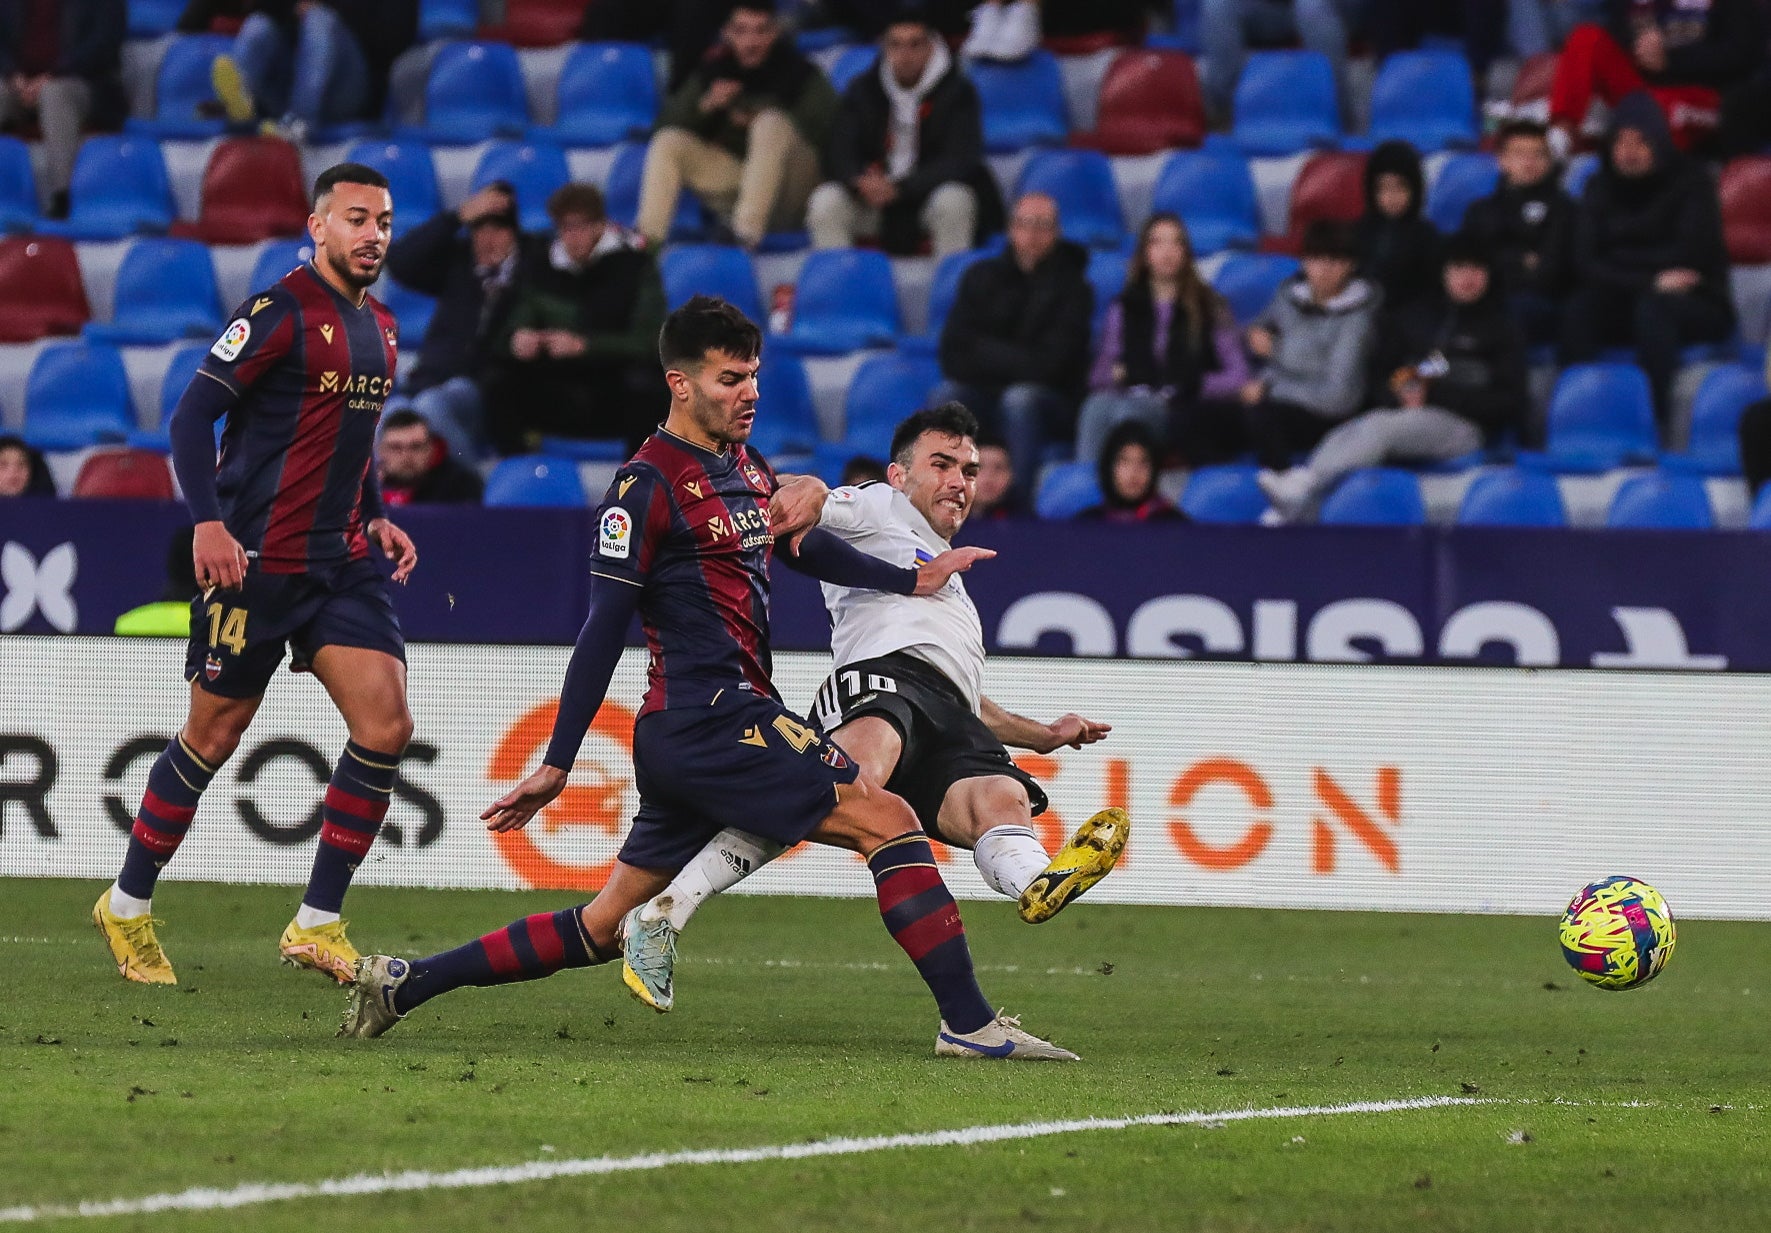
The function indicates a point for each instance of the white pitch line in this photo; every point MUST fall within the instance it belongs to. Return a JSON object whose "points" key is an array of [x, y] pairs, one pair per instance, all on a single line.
{"points": [[254, 1193]]}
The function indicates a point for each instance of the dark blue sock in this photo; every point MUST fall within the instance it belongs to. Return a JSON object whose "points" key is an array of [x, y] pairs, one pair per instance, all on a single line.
{"points": [[175, 783], [526, 949], [356, 802]]}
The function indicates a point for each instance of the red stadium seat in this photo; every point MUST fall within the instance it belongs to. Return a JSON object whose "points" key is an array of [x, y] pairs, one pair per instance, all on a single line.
{"points": [[538, 23], [1330, 184], [40, 289], [1745, 190], [253, 189], [1150, 101], [134, 474]]}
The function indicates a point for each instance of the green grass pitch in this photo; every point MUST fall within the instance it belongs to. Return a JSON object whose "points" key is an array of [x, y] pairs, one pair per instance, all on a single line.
{"points": [[798, 1019]]}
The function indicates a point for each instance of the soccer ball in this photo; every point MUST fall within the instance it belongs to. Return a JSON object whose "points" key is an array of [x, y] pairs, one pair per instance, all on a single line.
{"points": [[1618, 933]]}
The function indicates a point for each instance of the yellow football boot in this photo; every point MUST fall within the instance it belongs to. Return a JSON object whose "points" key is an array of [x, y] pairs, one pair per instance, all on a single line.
{"points": [[133, 944], [324, 948], [1079, 864]]}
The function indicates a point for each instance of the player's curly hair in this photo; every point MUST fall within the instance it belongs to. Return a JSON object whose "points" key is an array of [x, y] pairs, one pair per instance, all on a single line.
{"points": [[950, 419], [706, 323]]}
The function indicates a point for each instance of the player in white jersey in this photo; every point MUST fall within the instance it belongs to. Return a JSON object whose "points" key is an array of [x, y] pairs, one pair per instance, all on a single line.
{"points": [[906, 702]]}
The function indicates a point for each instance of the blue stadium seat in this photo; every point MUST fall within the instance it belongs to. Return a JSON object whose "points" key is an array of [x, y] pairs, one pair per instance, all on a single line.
{"points": [[411, 178], [1760, 520], [535, 479], [412, 309], [943, 290], [608, 93], [149, 19], [1228, 493], [475, 92], [845, 300], [77, 395], [1213, 193], [1660, 500], [585, 449], [621, 195], [1286, 101], [119, 188], [1462, 179], [534, 169], [18, 186], [180, 370], [1426, 98], [1081, 182], [278, 257], [786, 416], [447, 19], [711, 269], [1248, 281], [851, 64], [165, 291], [884, 389], [182, 85], [1023, 103], [1580, 170], [1715, 420], [1066, 489], [1106, 274], [1376, 497], [1601, 415], [1512, 497]]}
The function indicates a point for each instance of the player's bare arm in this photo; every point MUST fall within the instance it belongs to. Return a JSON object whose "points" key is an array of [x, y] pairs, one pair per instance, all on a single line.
{"points": [[1023, 733]]}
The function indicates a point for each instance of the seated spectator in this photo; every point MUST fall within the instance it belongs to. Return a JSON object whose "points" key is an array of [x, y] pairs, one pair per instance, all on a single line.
{"points": [[1127, 469], [906, 154], [415, 469], [1528, 226], [1168, 342], [1755, 440], [580, 353], [60, 64], [1457, 383], [995, 499], [23, 473], [862, 470], [742, 132], [1398, 246], [1650, 264], [1683, 53], [1228, 27], [472, 277], [1003, 31], [1014, 348]]}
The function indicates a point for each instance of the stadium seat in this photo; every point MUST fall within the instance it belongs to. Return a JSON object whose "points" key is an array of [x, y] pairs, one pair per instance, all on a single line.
{"points": [[1462, 179], [845, 300], [165, 291], [884, 389], [585, 449], [1248, 281], [411, 178], [1066, 489], [1760, 518], [447, 19], [1106, 274], [1580, 170], [1375, 497], [1081, 182], [786, 416], [1512, 497], [41, 292], [1213, 193], [1228, 494], [851, 64], [475, 92], [540, 23], [621, 195], [253, 189], [943, 290], [77, 395], [1023, 103], [412, 309], [1329, 185], [149, 19], [180, 370], [1601, 416], [18, 186], [711, 269], [126, 474], [1426, 98], [1715, 420], [608, 93], [535, 479], [1149, 101], [534, 169], [1745, 190], [181, 86], [119, 187], [1286, 101], [278, 257], [1657, 500]]}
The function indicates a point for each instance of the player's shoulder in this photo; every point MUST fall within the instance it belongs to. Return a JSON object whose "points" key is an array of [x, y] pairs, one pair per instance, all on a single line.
{"points": [[874, 496], [636, 480]]}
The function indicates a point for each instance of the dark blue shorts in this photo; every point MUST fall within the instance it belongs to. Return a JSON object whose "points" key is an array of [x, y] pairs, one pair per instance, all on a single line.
{"points": [[744, 761], [237, 637]]}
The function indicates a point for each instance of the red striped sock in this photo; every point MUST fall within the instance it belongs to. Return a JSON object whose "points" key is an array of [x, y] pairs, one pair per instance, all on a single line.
{"points": [[356, 801], [922, 917], [526, 949]]}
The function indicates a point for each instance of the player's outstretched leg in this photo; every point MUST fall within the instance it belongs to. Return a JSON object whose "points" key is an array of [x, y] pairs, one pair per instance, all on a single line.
{"points": [[1086, 859], [356, 801]]}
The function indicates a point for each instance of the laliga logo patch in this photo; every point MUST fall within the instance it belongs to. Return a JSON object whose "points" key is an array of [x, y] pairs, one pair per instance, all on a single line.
{"points": [[38, 587], [227, 347], [616, 535], [211, 667]]}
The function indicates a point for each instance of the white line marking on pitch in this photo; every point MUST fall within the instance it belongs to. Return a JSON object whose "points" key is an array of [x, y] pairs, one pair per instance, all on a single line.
{"points": [[251, 1194]]}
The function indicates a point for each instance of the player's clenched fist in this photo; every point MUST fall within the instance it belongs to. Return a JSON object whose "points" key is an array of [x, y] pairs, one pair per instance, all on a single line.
{"points": [[933, 575], [217, 556]]}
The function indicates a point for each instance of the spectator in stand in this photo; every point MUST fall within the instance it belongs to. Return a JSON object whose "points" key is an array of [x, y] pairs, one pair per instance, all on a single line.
{"points": [[688, 28], [1127, 468], [1650, 264], [1014, 348], [862, 470], [1457, 383], [1398, 246], [1228, 27], [1168, 342], [1684, 53], [23, 473], [415, 469], [60, 62], [580, 355], [472, 277], [742, 132], [1528, 226], [906, 154], [1755, 440], [996, 499]]}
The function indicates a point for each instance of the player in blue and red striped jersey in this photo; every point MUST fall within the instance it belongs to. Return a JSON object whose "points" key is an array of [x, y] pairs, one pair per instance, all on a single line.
{"points": [[684, 538], [284, 521]]}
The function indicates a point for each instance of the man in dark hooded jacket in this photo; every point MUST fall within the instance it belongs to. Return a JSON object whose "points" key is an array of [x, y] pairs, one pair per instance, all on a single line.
{"points": [[1650, 265], [1398, 249], [1528, 223]]}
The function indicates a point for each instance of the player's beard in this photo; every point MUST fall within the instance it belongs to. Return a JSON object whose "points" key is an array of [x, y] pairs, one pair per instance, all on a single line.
{"points": [[712, 419], [346, 270]]}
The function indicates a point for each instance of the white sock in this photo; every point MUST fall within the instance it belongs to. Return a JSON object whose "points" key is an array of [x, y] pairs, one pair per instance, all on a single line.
{"points": [[307, 917], [729, 858], [1010, 857], [128, 905]]}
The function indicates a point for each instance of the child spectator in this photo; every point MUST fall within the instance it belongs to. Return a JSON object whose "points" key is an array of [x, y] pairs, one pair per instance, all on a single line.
{"points": [[1528, 226], [1398, 248], [1127, 470]]}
